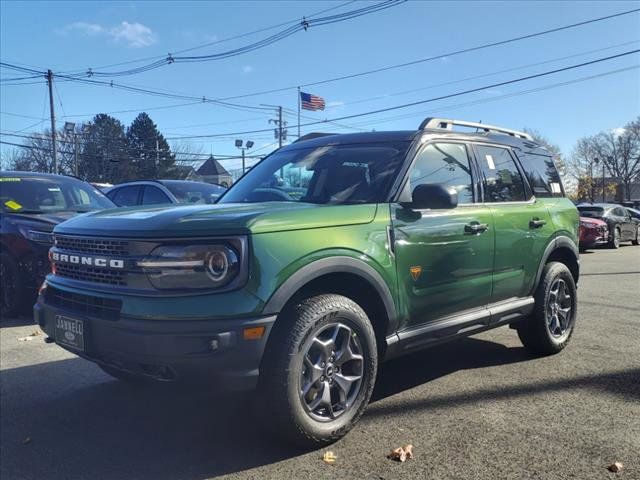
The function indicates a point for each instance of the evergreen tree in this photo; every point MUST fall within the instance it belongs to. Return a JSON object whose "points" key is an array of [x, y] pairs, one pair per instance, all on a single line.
{"points": [[103, 152], [149, 152]]}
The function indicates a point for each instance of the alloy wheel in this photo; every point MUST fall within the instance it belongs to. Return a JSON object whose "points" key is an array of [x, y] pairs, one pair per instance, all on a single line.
{"points": [[559, 306], [8, 282], [333, 368]]}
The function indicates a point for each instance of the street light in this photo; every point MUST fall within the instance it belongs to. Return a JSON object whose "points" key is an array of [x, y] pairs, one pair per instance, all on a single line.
{"points": [[248, 145]]}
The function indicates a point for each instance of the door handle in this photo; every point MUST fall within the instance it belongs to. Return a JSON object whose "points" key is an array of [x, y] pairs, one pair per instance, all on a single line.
{"points": [[475, 228], [536, 223]]}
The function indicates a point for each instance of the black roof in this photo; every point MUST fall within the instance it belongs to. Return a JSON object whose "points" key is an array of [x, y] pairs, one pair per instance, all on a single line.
{"points": [[318, 140], [15, 173], [212, 167]]}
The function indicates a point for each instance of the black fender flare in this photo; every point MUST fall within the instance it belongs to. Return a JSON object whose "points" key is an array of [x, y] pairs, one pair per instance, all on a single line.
{"points": [[558, 242], [324, 266]]}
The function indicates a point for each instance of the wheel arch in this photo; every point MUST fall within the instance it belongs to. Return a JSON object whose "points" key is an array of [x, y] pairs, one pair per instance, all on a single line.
{"points": [[346, 276], [564, 250]]}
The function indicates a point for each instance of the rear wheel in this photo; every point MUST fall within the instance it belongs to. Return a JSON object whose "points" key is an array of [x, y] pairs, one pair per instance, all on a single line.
{"points": [[12, 295], [319, 370], [549, 327]]}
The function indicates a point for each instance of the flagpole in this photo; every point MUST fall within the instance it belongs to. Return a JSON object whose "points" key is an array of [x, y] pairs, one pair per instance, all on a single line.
{"points": [[298, 112]]}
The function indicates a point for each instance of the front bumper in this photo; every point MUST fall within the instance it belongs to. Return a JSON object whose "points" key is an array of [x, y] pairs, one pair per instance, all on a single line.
{"points": [[212, 351]]}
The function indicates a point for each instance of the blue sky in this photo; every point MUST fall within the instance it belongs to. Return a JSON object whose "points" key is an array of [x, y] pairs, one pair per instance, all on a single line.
{"points": [[68, 36]]}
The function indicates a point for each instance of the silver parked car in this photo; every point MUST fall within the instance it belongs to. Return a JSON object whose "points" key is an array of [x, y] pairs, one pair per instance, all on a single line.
{"points": [[155, 192]]}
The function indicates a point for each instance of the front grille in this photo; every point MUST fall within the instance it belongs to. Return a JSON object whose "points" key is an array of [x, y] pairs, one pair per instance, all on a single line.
{"points": [[97, 246], [90, 274], [105, 308]]}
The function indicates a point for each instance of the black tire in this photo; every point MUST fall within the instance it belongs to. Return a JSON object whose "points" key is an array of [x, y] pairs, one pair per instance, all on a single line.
{"points": [[636, 241], [12, 291], [123, 375], [284, 370], [614, 241], [535, 332]]}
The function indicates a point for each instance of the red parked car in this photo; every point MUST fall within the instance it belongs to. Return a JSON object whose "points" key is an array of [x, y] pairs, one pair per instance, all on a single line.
{"points": [[593, 232]]}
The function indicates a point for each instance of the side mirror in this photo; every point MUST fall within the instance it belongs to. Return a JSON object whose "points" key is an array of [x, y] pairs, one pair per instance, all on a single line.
{"points": [[434, 196]]}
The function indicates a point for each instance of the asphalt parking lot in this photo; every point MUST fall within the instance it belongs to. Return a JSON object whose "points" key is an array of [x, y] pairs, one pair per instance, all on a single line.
{"points": [[477, 408]]}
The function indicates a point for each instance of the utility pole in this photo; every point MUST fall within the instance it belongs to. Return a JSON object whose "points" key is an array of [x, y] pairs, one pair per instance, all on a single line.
{"points": [[54, 152], [75, 151], [157, 157], [279, 126]]}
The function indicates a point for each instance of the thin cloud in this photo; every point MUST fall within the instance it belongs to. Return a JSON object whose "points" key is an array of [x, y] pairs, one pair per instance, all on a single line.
{"points": [[135, 35]]}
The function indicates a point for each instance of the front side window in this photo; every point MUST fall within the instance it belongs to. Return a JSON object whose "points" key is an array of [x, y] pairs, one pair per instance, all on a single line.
{"points": [[502, 181], [126, 196], [444, 163], [154, 196], [329, 174]]}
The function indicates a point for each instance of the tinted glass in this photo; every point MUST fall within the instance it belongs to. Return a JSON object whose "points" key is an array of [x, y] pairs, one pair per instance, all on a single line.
{"points": [[49, 194], [501, 178], [591, 212], [445, 163], [125, 196], [542, 174], [194, 192], [329, 174], [153, 195]]}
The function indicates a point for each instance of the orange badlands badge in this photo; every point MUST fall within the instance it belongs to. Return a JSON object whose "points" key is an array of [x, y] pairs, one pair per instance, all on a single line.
{"points": [[415, 272]]}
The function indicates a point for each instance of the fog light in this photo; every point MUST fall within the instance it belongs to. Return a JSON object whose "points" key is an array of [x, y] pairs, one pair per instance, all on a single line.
{"points": [[253, 333]]}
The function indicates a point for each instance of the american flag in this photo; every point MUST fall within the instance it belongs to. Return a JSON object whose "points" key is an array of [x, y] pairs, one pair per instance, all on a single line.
{"points": [[311, 102]]}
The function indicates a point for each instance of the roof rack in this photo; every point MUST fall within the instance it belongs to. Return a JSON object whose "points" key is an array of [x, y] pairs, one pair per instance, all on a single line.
{"points": [[311, 135], [448, 125]]}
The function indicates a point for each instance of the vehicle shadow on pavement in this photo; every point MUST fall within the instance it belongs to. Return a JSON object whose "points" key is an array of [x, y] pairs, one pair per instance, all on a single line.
{"points": [[20, 321], [65, 419]]}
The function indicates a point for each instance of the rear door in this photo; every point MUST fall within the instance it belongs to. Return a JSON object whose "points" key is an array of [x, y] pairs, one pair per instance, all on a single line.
{"points": [[444, 258], [522, 223]]}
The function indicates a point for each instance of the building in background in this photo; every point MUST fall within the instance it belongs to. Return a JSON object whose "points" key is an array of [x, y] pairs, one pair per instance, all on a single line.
{"points": [[212, 171]]}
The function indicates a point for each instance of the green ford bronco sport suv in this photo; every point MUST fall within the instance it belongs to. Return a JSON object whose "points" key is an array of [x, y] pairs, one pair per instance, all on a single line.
{"points": [[329, 256]]}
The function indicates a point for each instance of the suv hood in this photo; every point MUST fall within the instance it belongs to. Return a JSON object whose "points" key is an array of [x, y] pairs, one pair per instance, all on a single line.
{"points": [[217, 219]]}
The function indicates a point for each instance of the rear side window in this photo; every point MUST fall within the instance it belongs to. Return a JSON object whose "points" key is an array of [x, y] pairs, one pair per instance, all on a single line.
{"points": [[126, 196], [542, 174], [502, 181], [447, 164], [153, 195]]}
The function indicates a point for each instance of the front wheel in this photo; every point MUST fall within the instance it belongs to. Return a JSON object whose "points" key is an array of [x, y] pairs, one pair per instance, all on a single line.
{"points": [[614, 242], [549, 327], [636, 241], [11, 295], [319, 370]]}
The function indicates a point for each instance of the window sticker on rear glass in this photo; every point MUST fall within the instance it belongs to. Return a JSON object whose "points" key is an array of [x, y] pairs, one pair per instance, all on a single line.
{"points": [[10, 179], [13, 205], [490, 163]]}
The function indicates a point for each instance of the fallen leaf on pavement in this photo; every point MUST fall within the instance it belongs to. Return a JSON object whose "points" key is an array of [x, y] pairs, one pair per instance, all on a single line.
{"points": [[615, 467], [329, 457], [25, 339], [401, 454]]}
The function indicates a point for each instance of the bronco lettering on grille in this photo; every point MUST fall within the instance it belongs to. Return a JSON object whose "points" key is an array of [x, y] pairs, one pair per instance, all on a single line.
{"points": [[87, 260]]}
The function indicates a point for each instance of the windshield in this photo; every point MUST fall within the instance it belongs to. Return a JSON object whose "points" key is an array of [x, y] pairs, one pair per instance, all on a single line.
{"points": [[591, 212], [49, 195], [330, 174], [194, 192]]}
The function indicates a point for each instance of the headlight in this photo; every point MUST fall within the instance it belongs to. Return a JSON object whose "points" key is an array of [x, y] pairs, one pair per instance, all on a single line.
{"points": [[46, 238], [194, 267]]}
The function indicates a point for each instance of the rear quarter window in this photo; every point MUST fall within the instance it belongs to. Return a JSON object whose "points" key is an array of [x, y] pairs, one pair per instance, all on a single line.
{"points": [[542, 174]]}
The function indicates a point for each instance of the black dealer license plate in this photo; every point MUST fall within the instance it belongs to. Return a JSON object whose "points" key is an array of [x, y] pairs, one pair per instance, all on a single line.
{"points": [[70, 332]]}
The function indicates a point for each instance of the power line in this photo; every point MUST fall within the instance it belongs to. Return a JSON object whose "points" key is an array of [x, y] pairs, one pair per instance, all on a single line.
{"points": [[429, 100], [436, 57], [223, 40], [303, 25]]}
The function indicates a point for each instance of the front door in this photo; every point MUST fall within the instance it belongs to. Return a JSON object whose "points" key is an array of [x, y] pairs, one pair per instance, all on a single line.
{"points": [[444, 258]]}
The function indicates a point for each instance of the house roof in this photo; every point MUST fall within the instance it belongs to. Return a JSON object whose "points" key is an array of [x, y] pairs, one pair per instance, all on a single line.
{"points": [[212, 167]]}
